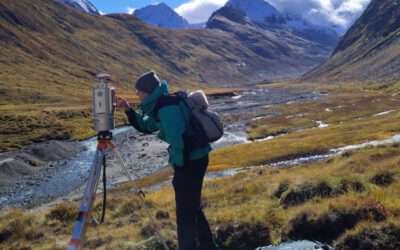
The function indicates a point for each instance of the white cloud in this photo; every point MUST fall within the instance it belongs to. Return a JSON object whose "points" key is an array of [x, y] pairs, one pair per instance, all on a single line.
{"points": [[198, 11], [129, 10], [340, 13]]}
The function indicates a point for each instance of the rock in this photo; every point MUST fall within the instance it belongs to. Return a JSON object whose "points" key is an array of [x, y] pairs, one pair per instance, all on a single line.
{"points": [[294, 245]]}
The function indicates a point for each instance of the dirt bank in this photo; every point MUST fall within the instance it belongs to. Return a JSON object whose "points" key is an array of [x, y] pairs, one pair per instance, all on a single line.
{"points": [[29, 160]]}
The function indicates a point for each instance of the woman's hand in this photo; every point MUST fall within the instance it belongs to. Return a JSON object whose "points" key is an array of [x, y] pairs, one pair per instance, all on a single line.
{"points": [[122, 103]]}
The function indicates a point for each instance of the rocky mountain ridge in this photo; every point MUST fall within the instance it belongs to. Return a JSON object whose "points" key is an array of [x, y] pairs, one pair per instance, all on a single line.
{"points": [[263, 14], [275, 44]]}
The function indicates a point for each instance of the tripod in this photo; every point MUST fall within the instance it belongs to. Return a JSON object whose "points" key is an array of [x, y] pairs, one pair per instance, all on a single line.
{"points": [[104, 144]]}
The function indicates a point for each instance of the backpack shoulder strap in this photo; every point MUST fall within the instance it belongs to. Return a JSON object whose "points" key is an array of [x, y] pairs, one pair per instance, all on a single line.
{"points": [[164, 101]]}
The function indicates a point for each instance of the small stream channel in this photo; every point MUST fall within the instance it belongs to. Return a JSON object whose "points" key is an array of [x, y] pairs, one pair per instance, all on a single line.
{"points": [[308, 159]]}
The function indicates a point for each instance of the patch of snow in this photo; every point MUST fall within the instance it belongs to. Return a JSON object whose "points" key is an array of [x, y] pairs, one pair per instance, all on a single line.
{"points": [[241, 65], [322, 125], [265, 139], [384, 113], [237, 97], [84, 5], [328, 110], [258, 118]]}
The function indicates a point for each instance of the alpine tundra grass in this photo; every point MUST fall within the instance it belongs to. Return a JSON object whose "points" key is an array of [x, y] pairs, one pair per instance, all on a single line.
{"points": [[343, 199]]}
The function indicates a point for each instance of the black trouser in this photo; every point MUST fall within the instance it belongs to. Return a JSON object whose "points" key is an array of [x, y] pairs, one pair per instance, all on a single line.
{"points": [[193, 226]]}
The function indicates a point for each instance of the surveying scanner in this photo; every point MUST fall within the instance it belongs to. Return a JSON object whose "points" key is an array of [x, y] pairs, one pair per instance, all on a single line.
{"points": [[104, 103]]}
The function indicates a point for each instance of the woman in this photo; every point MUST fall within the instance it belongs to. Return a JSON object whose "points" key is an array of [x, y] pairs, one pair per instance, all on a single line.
{"points": [[170, 116]]}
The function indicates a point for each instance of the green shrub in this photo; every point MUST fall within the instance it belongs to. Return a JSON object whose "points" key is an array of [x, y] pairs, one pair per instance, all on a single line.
{"points": [[243, 235], [65, 213], [346, 186], [330, 225], [283, 187], [377, 237], [383, 179], [306, 192]]}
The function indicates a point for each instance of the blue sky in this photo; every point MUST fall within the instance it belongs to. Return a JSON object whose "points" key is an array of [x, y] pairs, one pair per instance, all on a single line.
{"points": [[120, 6]]}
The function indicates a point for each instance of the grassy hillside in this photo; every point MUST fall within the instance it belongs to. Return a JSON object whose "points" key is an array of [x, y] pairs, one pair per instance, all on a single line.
{"points": [[369, 51], [350, 200]]}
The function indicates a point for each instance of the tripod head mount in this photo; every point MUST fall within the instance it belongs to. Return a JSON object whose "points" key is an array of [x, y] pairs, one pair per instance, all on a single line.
{"points": [[104, 136]]}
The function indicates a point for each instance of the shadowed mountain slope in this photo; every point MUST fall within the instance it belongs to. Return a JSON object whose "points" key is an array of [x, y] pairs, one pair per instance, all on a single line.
{"points": [[287, 53], [369, 51]]}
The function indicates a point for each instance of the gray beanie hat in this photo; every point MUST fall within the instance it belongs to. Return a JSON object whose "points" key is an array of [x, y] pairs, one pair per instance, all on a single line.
{"points": [[147, 82]]}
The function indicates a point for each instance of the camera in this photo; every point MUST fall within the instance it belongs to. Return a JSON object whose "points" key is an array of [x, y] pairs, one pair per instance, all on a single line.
{"points": [[104, 103]]}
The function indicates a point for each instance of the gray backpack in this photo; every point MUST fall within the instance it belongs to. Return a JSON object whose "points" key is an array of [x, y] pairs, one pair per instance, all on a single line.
{"points": [[205, 124], [206, 121]]}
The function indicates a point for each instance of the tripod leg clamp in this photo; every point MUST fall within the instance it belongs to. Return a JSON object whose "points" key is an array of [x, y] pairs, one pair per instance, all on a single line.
{"points": [[140, 193]]}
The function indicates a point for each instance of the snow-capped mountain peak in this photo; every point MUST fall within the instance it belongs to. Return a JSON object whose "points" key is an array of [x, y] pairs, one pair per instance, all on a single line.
{"points": [[267, 16], [258, 11], [304, 28], [83, 5], [161, 15]]}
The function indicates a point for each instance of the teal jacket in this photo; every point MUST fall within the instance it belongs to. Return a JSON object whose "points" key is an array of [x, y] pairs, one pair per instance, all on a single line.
{"points": [[172, 122]]}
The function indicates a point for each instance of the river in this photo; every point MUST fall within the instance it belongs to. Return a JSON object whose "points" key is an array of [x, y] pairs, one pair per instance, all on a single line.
{"points": [[145, 154]]}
